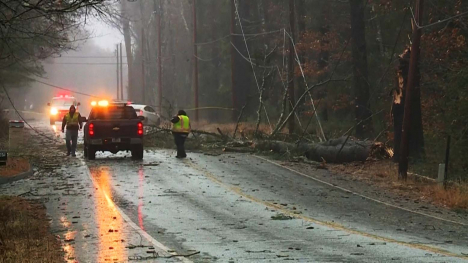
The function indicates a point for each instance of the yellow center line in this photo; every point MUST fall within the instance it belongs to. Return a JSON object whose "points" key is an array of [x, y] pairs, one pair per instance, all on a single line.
{"points": [[333, 225]]}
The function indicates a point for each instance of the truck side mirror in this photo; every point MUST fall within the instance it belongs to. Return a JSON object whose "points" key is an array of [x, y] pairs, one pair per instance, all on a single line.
{"points": [[48, 104]]}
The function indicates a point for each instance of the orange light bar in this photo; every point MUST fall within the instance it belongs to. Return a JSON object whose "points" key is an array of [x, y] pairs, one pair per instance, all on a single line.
{"points": [[103, 103], [93, 103]]}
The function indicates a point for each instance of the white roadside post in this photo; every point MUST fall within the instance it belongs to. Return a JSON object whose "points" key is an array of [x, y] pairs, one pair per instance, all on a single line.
{"points": [[441, 174], [16, 137]]}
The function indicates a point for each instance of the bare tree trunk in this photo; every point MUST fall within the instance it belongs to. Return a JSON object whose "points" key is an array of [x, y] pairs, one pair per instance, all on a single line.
{"points": [[158, 8], [291, 61], [301, 22], [360, 70], [128, 49], [195, 59]]}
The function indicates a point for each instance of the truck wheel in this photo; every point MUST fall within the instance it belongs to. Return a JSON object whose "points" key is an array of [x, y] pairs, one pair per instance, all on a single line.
{"points": [[91, 153], [52, 122], [137, 153], [85, 151]]}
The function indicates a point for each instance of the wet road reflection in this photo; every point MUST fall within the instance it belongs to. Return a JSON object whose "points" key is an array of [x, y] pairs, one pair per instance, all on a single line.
{"points": [[110, 224], [68, 248], [141, 194]]}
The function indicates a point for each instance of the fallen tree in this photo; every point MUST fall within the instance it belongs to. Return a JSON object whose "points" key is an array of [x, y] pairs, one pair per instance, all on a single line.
{"points": [[339, 150]]}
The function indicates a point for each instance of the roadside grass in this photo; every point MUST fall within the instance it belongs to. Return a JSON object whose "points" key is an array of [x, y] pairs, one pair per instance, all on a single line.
{"points": [[14, 166], [24, 233], [384, 174], [455, 197]]}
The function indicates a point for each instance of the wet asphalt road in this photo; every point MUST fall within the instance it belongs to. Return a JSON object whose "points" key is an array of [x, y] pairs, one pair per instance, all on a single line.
{"points": [[229, 208]]}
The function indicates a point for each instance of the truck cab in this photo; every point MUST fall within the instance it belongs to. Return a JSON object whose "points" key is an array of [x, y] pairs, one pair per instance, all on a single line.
{"points": [[59, 107]]}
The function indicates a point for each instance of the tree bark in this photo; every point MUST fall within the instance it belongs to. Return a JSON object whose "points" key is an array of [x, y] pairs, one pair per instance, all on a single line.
{"points": [[350, 150], [128, 50], [360, 69], [291, 64]]}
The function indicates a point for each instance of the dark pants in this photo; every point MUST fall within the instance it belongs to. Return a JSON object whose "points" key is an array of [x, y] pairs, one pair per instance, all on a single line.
{"points": [[179, 139], [71, 135]]}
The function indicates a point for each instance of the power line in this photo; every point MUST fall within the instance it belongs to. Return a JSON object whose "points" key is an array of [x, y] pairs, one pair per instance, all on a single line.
{"points": [[17, 112], [87, 57], [238, 35], [82, 63], [250, 58], [61, 88], [438, 22]]}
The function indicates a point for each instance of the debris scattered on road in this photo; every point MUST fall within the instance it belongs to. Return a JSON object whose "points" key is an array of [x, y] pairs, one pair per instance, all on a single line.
{"points": [[281, 217], [151, 164]]}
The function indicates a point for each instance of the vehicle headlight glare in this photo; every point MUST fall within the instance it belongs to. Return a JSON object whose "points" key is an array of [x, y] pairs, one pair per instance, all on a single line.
{"points": [[54, 111]]}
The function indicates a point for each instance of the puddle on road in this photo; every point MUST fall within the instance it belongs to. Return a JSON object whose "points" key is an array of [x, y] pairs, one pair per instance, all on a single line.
{"points": [[110, 224]]}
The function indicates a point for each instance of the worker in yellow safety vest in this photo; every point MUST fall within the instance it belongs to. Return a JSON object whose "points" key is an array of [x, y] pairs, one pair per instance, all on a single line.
{"points": [[180, 131], [72, 120]]}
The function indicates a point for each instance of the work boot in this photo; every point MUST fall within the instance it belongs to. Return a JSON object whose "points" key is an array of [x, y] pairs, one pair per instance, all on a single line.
{"points": [[73, 155], [68, 153]]}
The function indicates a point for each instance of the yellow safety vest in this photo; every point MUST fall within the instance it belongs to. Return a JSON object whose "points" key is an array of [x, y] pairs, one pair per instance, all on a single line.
{"points": [[72, 121], [183, 125]]}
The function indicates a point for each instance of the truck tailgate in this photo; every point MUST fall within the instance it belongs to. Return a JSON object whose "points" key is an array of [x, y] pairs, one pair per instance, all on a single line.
{"points": [[115, 129]]}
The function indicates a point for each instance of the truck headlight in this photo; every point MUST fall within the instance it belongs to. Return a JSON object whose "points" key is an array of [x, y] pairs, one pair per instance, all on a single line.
{"points": [[53, 111]]}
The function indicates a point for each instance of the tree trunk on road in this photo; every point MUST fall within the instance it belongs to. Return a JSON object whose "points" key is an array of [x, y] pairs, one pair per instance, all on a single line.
{"points": [[352, 151]]}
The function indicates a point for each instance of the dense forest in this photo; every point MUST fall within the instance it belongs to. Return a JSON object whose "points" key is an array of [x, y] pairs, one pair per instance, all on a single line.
{"points": [[338, 64], [312, 69]]}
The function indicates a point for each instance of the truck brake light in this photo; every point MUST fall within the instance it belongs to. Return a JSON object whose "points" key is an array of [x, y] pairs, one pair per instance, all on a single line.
{"points": [[141, 113], [140, 128], [91, 129]]}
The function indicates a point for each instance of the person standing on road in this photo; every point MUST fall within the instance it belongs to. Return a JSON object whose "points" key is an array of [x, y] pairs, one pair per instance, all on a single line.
{"points": [[180, 131], [73, 123]]}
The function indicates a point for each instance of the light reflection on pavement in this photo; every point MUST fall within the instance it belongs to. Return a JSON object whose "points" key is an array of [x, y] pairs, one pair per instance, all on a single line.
{"points": [[110, 224], [141, 180], [69, 248]]}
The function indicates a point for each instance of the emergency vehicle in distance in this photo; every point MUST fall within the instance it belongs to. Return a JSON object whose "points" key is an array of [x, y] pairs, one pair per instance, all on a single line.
{"points": [[60, 106]]}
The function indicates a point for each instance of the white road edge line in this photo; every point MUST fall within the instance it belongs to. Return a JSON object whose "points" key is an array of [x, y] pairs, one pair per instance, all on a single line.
{"points": [[140, 231], [360, 195]]}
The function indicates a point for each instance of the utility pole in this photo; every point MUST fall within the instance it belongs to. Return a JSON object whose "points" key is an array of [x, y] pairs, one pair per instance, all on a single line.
{"points": [[195, 58], [292, 99], [412, 74], [121, 74], [158, 28], [117, 69]]}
